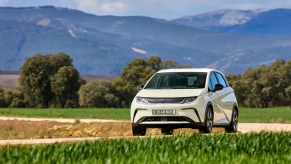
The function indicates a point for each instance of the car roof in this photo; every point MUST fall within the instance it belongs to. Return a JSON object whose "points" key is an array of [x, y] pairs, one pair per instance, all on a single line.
{"points": [[208, 70]]}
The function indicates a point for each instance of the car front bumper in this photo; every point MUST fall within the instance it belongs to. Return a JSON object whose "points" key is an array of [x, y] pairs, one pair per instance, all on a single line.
{"points": [[188, 115]]}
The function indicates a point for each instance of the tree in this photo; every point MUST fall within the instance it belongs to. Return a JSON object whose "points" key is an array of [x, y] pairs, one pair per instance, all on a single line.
{"points": [[288, 93], [283, 83], [122, 91], [35, 81], [238, 86], [167, 64], [98, 93], [265, 86], [154, 63], [286, 77], [42, 72], [14, 98], [2, 98], [58, 61], [136, 73], [65, 85]]}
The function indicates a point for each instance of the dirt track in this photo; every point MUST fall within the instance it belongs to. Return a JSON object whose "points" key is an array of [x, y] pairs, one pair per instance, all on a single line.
{"points": [[242, 128]]}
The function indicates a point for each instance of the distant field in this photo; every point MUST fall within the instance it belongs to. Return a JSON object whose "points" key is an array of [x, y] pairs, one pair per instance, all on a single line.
{"points": [[98, 113], [196, 148], [251, 115], [265, 115], [9, 80]]}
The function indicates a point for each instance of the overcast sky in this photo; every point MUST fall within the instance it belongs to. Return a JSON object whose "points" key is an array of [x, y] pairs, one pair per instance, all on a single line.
{"points": [[166, 9]]}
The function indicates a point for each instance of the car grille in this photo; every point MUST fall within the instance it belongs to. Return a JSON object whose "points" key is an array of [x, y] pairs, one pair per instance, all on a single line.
{"points": [[165, 100]]}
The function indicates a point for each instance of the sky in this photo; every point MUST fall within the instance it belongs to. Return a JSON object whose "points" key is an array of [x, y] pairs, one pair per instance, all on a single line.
{"points": [[164, 9]]}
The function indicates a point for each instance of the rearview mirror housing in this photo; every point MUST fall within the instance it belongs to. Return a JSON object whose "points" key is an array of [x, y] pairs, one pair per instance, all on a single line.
{"points": [[218, 87], [140, 87]]}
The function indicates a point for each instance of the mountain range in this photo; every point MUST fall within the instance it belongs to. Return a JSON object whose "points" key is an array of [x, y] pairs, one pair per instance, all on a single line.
{"points": [[228, 40], [274, 22]]}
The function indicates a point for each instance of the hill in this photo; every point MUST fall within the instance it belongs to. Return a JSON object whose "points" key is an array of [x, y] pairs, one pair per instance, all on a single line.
{"points": [[102, 45], [273, 22]]}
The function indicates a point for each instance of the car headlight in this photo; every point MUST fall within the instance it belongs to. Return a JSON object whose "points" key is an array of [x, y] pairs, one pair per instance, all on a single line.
{"points": [[142, 100], [189, 99]]}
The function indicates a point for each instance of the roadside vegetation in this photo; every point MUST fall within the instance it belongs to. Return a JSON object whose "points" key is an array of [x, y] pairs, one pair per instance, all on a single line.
{"points": [[217, 148], [52, 81], [97, 113], [265, 115], [249, 115], [264, 86]]}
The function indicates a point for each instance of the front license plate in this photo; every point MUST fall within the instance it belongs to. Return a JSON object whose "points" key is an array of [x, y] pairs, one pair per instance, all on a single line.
{"points": [[164, 111]]}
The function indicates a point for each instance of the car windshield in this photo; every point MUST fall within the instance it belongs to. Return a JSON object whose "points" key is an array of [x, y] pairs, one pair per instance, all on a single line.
{"points": [[177, 80]]}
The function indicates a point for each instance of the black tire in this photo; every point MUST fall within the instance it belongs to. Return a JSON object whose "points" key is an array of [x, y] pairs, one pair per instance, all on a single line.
{"points": [[232, 128], [207, 128], [137, 131], [167, 131]]}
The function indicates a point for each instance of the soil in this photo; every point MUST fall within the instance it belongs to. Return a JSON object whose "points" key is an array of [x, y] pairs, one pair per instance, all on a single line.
{"points": [[14, 130]]}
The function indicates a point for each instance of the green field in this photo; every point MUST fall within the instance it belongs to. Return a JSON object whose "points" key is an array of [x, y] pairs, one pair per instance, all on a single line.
{"points": [[196, 148], [98, 113], [267, 115]]}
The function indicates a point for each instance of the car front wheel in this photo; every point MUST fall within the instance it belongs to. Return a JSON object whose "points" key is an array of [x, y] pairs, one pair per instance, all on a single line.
{"points": [[232, 128], [137, 131], [207, 128], [167, 131]]}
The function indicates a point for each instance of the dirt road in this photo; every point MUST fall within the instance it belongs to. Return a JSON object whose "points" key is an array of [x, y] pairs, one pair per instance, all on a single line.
{"points": [[242, 128]]}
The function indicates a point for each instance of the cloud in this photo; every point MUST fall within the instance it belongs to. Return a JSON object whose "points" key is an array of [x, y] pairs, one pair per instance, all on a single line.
{"points": [[3, 2], [112, 7]]}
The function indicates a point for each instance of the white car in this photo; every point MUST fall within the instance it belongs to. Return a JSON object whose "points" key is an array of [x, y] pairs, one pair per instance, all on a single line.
{"points": [[185, 98]]}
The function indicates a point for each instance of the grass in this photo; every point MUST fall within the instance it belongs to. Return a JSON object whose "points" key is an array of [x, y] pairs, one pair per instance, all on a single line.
{"points": [[196, 148], [250, 115], [265, 115], [97, 113]]}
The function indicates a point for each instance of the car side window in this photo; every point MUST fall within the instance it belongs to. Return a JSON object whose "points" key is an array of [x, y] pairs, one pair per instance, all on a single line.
{"points": [[221, 79], [213, 81]]}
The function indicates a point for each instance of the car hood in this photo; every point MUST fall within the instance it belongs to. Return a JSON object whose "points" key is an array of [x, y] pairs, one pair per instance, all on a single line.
{"points": [[170, 92]]}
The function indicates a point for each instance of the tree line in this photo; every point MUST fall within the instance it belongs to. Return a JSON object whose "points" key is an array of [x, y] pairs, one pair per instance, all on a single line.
{"points": [[264, 86], [52, 81]]}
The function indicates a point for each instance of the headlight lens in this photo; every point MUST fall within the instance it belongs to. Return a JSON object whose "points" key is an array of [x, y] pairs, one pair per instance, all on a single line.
{"points": [[142, 100], [189, 99]]}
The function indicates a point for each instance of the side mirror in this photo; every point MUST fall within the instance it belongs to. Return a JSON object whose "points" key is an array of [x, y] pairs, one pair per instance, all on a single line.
{"points": [[218, 87], [140, 87]]}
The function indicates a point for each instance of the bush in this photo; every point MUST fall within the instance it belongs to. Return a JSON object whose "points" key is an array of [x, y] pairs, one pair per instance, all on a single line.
{"points": [[98, 93]]}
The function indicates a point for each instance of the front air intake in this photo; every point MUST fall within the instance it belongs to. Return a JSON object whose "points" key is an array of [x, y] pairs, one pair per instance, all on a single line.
{"points": [[165, 100]]}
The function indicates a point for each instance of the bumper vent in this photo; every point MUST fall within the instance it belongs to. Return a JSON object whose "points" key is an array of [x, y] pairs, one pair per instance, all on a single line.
{"points": [[166, 119]]}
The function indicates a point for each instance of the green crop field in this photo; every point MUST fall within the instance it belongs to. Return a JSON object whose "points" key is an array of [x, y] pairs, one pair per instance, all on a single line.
{"points": [[98, 113], [267, 115], [197, 148]]}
